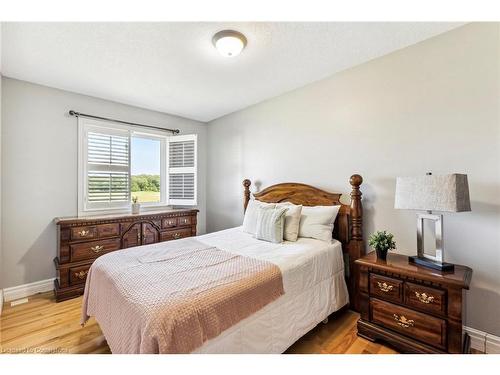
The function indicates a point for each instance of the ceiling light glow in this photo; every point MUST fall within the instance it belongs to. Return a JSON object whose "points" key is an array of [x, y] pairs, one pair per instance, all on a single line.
{"points": [[229, 43]]}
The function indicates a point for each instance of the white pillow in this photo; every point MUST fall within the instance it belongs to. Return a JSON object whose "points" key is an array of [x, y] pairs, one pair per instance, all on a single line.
{"points": [[317, 222], [292, 221], [250, 219]]}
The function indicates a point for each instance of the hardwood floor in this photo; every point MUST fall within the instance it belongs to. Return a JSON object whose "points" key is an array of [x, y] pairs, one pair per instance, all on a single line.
{"points": [[338, 336], [43, 326]]}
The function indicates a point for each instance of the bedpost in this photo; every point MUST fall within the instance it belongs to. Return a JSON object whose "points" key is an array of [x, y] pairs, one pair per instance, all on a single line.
{"points": [[356, 246], [246, 197], [356, 207]]}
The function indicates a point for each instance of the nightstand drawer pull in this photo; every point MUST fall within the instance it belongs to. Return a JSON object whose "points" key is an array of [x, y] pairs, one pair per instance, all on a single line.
{"points": [[424, 298], [81, 275], [97, 249], [403, 322], [83, 233], [177, 235], [384, 287]]}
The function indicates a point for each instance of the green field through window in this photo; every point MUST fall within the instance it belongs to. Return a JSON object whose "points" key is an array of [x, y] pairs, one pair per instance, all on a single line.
{"points": [[145, 187], [145, 182]]}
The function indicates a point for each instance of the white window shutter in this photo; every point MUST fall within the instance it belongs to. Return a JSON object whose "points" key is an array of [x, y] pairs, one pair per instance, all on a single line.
{"points": [[182, 170], [107, 168]]}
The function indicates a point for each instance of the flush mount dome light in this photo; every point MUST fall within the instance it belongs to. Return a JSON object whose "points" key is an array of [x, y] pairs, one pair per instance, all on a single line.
{"points": [[229, 43]]}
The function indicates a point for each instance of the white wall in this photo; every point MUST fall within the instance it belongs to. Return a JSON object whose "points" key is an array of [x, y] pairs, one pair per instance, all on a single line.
{"points": [[1, 217], [433, 107], [1, 249], [39, 164]]}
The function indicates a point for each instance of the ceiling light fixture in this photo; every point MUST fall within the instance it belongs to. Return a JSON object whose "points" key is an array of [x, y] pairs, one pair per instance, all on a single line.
{"points": [[229, 43]]}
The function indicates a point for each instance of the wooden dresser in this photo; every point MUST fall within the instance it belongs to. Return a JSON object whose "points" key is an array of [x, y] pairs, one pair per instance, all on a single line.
{"points": [[81, 240], [416, 309]]}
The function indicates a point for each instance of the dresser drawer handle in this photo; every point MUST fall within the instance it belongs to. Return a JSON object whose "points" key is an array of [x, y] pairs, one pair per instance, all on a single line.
{"points": [[424, 298], [185, 221], [171, 223], [177, 235], [384, 287], [81, 275], [402, 321], [97, 249], [83, 233]]}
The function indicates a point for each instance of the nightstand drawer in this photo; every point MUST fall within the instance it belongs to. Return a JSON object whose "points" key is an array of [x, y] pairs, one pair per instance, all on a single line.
{"points": [[386, 287], [418, 326], [425, 298], [78, 275]]}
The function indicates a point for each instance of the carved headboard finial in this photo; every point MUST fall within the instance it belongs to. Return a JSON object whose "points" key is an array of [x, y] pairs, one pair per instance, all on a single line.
{"points": [[246, 184], [356, 180]]}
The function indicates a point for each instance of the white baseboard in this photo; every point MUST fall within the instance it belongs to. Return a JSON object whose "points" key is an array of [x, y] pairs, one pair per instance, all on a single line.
{"points": [[492, 344], [477, 338], [483, 341], [26, 290]]}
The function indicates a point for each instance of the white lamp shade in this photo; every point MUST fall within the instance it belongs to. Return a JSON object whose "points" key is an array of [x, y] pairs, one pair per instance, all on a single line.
{"points": [[433, 193]]}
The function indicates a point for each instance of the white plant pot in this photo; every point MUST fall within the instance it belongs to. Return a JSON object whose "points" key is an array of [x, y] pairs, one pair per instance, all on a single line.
{"points": [[136, 208]]}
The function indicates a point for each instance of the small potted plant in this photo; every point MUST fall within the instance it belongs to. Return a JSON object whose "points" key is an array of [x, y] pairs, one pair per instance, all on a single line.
{"points": [[382, 242], [136, 207]]}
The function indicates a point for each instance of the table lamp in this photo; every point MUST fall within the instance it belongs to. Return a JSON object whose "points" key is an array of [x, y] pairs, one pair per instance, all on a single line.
{"points": [[445, 193]]}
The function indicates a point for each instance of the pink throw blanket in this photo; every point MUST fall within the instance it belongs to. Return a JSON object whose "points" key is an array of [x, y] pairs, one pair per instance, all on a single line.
{"points": [[172, 297]]}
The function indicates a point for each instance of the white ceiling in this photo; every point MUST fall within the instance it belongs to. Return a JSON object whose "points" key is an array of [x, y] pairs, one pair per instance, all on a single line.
{"points": [[173, 67]]}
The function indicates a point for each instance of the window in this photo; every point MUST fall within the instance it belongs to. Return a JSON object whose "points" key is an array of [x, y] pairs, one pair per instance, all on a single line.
{"points": [[118, 163], [145, 167]]}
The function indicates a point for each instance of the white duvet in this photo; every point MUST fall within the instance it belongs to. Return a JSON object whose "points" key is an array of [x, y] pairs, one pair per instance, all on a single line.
{"points": [[313, 279]]}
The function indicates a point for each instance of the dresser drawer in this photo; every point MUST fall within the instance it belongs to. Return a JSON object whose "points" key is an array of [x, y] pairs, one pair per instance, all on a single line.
{"points": [[425, 298], [93, 249], [169, 222], [184, 220], [175, 234], [78, 275], [419, 326], [386, 287], [84, 233], [108, 230]]}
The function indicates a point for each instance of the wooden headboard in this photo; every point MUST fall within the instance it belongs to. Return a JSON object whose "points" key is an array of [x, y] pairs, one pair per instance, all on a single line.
{"points": [[348, 228]]}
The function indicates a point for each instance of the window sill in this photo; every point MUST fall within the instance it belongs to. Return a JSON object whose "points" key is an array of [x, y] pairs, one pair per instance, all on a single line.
{"points": [[104, 212]]}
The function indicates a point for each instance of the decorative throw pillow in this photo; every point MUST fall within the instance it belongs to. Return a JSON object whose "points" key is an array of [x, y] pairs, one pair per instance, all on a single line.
{"points": [[250, 219], [292, 221], [317, 222], [270, 224]]}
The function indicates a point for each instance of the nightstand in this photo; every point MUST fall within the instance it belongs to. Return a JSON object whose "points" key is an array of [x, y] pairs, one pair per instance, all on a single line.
{"points": [[413, 308]]}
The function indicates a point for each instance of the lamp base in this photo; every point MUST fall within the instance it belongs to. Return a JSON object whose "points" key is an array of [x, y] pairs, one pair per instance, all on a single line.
{"points": [[429, 263]]}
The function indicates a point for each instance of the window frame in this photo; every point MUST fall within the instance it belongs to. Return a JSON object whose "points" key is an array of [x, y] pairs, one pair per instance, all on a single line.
{"points": [[86, 124]]}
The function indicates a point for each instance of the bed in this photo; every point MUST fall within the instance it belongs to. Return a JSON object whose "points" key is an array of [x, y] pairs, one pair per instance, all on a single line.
{"points": [[317, 279]]}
